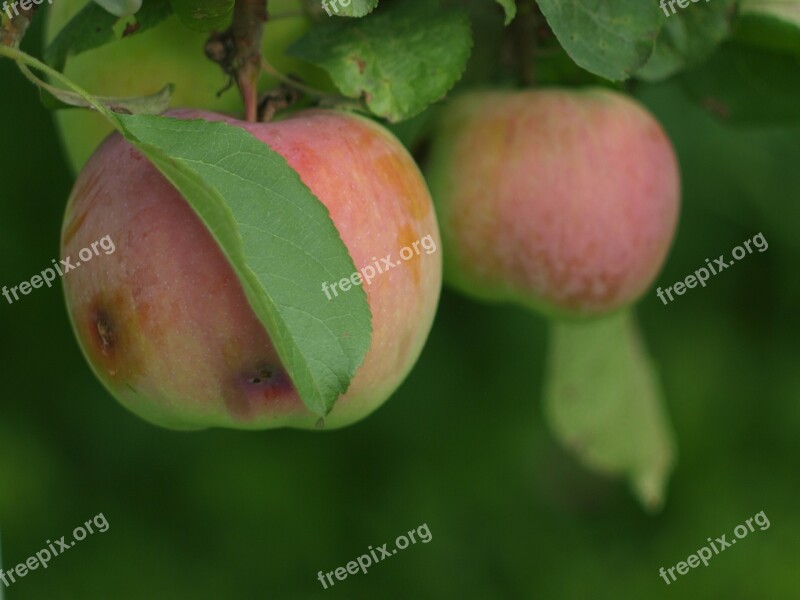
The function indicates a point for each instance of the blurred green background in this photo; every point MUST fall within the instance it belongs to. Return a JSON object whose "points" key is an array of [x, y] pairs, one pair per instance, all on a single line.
{"points": [[462, 446]]}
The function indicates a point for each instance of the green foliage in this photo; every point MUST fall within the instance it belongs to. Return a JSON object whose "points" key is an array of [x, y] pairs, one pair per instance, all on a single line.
{"points": [[93, 27], [399, 60], [688, 38], [203, 15], [752, 78], [604, 403], [747, 85], [612, 38]]}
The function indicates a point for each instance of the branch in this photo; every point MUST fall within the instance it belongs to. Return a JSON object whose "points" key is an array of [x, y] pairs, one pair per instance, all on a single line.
{"points": [[238, 51]]}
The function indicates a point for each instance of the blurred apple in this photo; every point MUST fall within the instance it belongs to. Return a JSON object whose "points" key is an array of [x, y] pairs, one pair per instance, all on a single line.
{"points": [[561, 200]]}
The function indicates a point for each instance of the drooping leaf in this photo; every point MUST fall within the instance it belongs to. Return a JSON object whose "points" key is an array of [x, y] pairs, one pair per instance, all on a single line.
{"points": [[603, 402], [93, 27], [611, 38], [203, 15], [688, 38], [399, 60]]}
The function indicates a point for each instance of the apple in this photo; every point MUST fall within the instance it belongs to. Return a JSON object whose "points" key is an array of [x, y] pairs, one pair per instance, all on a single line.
{"points": [[560, 200], [168, 53], [163, 320]]}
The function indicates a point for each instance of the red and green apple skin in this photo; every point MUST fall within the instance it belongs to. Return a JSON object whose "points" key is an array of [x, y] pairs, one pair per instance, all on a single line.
{"points": [[564, 201], [164, 322]]}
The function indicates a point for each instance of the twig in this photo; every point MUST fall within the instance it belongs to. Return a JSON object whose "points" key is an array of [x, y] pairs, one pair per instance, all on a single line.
{"points": [[238, 51]]}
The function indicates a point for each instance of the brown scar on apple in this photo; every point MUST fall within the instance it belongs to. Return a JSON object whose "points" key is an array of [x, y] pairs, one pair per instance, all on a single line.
{"points": [[256, 391], [108, 340]]}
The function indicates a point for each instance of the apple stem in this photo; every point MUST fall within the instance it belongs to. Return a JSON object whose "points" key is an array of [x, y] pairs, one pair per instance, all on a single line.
{"points": [[238, 51]]}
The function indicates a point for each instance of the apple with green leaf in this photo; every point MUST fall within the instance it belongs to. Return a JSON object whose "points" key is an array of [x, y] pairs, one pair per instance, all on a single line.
{"points": [[164, 322]]}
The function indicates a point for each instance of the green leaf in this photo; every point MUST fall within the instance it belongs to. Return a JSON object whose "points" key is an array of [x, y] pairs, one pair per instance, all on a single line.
{"points": [[510, 8], [203, 15], [93, 27], [745, 85], [611, 38], [603, 402], [277, 236], [354, 8], [400, 60], [688, 38]]}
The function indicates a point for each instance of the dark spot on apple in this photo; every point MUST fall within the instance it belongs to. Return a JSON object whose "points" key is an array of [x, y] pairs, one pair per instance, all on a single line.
{"points": [[105, 333], [266, 388], [264, 374]]}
